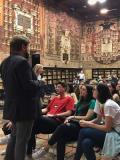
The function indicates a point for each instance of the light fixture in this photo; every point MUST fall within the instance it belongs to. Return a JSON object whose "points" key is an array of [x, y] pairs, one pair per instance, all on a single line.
{"points": [[104, 11], [92, 2], [101, 1]]}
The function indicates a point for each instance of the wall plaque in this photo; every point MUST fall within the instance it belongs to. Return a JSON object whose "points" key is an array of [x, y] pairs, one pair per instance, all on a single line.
{"points": [[106, 48], [23, 21]]}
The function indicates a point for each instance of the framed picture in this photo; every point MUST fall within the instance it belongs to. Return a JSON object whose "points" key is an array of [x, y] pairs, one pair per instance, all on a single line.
{"points": [[23, 21]]}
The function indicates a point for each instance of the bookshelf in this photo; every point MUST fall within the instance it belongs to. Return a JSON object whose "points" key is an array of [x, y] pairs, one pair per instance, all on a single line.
{"points": [[105, 72], [54, 74]]}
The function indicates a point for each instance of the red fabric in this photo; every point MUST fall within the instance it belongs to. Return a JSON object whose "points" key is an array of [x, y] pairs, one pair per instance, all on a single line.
{"points": [[60, 105]]}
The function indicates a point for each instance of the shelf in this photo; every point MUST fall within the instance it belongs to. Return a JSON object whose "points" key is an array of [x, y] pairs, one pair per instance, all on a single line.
{"points": [[105, 72], [53, 75]]}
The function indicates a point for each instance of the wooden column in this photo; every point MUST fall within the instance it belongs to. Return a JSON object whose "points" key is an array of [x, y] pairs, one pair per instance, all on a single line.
{"points": [[42, 27]]}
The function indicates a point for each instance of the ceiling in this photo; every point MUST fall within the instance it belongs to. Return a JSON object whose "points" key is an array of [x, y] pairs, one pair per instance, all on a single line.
{"points": [[80, 8]]}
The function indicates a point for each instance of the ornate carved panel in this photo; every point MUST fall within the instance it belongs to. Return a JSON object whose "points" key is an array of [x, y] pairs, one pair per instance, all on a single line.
{"points": [[101, 41], [58, 23]]}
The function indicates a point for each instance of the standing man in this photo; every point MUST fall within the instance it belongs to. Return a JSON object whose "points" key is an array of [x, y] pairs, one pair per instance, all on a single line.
{"points": [[81, 76], [21, 87]]}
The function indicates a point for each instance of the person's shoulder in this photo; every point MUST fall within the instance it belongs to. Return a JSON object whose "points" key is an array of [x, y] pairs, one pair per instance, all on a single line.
{"points": [[92, 104], [6, 59], [92, 101], [19, 58], [97, 103], [4, 62], [69, 98], [20, 61], [111, 103], [56, 97]]}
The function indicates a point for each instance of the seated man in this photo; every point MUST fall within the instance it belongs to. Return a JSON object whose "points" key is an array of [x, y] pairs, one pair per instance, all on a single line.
{"points": [[60, 107]]}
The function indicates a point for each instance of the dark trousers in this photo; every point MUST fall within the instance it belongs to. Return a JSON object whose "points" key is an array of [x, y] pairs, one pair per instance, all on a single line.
{"points": [[63, 134], [45, 125], [88, 138], [17, 145]]}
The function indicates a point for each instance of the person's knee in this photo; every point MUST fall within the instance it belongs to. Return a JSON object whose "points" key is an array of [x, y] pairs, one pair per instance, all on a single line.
{"points": [[82, 131], [86, 144], [82, 134], [86, 132], [62, 129]]}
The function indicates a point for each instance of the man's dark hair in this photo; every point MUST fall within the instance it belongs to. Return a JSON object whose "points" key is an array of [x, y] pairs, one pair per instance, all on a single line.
{"points": [[17, 42], [63, 84], [103, 93]]}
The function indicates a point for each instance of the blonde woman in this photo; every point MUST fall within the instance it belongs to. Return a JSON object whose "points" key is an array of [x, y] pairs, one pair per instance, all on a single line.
{"points": [[38, 69]]}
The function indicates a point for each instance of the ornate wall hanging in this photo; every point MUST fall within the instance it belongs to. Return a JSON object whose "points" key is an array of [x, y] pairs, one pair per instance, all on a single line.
{"points": [[106, 44], [58, 44]]}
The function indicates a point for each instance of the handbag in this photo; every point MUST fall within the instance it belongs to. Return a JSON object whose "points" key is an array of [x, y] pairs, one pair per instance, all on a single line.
{"points": [[6, 129], [75, 121]]}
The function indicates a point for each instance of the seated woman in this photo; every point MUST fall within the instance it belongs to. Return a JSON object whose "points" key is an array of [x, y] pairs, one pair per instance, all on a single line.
{"points": [[68, 131], [118, 87], [103, 131], [116, 98], [70, 92], [113, 91]]}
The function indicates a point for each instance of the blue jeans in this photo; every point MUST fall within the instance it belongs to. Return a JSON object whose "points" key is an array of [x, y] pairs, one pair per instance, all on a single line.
{"points": [[88, 138]]}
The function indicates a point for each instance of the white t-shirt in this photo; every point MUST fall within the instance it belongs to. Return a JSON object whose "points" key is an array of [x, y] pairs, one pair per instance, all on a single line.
{"points": [[110, 108], [81, 76]]}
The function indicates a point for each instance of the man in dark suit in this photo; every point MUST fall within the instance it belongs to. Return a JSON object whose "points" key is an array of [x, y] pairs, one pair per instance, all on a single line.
{"points": [[21, 87]]}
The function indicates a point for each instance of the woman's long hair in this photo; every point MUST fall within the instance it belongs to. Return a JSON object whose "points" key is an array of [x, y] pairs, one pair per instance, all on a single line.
{"points": [[113, 85], [103, 93], [89, 96], [70, 88]]}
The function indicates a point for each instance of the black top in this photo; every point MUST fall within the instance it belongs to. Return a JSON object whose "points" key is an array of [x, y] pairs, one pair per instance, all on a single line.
{"points": [[21, 88]]}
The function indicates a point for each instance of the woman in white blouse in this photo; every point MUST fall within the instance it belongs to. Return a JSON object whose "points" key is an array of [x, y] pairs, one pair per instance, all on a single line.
{"points": [[104, 131]]}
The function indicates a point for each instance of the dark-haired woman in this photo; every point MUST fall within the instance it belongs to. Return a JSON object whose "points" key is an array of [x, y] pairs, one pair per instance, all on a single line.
{"points": [[114, 92], [101, 132], [70, 91], [112, 88], [69, 130]]}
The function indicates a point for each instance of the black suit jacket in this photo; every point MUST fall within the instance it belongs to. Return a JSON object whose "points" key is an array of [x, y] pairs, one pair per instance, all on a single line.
{"points": [[21, 87]]}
